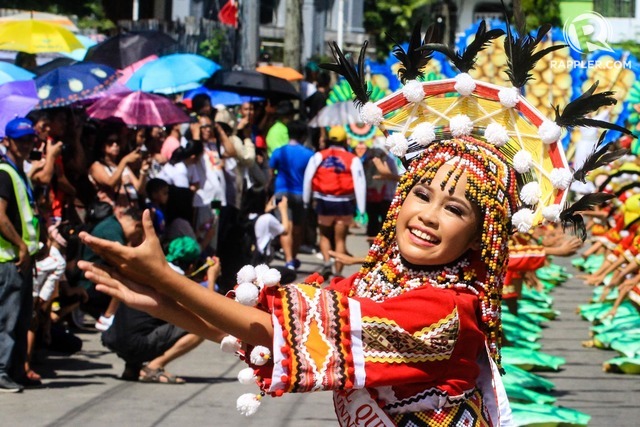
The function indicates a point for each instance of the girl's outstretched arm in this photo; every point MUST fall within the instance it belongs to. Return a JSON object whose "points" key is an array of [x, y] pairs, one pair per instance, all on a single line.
{"points": [[145, 264]]}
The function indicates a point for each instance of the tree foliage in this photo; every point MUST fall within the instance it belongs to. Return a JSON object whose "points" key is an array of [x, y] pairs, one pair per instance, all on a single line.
{"points": [[538, 12], [395, 17], [90, 13]]}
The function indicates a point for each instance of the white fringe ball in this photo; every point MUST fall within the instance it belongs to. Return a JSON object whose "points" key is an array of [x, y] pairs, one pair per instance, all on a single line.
{"points": [[530, 193], [248, 404], [247, 294], [397, 144], [246, 274], [230, 344], [523, 220], [552, 213], [413, 91], [460, 125], [371, 114], [424, 134], [549, 132], [247, 376], [496, 134], [465, 85], [522, 161], [561, 178], [259, 355], [509, 96], [271, 278]]}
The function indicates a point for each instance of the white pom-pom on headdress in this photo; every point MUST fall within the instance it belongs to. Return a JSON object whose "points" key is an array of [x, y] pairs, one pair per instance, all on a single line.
{"points": [[259, 355], [509, 97], [460, 125], [496, 134], [271, 278], [413, 91], [247, 294], [530, 193], [247, 376], [230, 344], [371, 114], [261, 271], [522, 161], [248, 404], [465, 85], [549, 132], [552, 213], [424, 134], [246, 274], [523, 220], [560, 178], [397, 144]]}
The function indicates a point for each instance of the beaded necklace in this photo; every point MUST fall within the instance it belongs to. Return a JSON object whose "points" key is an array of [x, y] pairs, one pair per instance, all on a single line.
{"points": [[394, 277]]}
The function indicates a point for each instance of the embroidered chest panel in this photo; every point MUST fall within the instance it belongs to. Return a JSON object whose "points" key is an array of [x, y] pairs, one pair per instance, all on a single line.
{"points": [[387, 342]]}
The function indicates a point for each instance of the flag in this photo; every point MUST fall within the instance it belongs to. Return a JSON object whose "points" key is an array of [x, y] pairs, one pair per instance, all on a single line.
{"points": [[228, 15]]}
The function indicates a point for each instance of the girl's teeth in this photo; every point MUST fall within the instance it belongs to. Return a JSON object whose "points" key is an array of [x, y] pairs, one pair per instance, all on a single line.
{"points": [[422, 235]]}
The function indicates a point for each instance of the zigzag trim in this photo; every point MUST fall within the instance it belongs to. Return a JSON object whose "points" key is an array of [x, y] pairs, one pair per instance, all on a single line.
{"points": [[451, 401]]}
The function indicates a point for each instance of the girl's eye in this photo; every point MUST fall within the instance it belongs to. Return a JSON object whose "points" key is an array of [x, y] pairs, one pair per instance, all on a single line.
{"points": [[455, 210], [422, 195]]}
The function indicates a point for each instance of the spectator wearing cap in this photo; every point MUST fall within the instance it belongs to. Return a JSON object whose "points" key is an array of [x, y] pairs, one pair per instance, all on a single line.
{"points": [[335, 178], [288, 164], [278, 134], [19, 237]]}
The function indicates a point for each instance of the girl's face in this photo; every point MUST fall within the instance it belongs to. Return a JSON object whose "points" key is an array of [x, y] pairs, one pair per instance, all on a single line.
{"points": [[434, 227], [112, 146]]}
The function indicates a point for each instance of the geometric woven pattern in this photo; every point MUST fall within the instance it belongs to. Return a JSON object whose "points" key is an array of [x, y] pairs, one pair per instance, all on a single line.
{"points": [[386, 342]]}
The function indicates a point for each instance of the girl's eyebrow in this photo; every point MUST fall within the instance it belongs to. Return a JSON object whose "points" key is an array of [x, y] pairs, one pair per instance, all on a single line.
{"points": [[463, 201]]}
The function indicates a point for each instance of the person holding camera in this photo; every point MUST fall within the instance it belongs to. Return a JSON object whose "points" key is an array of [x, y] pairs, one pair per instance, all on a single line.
{"points": [[112, 176]]}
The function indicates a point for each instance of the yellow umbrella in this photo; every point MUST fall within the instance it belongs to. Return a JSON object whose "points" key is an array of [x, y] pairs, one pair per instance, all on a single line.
{"points": [[286, 73], [42, 16], [33, 36]]}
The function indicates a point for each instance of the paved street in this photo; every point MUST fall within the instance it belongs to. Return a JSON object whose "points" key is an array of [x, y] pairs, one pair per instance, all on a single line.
{"points": [[82, 390]]}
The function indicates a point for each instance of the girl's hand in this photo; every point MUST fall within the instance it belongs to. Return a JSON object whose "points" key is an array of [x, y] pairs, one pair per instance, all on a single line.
{"points": [[135, 295], [144, 264], [132, 157]]}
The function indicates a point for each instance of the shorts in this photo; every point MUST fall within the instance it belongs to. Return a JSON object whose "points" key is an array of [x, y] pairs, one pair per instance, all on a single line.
{"points": [[330, 213], [297, 212], [142, 348]]}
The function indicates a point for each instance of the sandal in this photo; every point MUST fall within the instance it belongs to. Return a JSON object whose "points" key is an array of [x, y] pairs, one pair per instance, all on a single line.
{"points": [[159, 376]]}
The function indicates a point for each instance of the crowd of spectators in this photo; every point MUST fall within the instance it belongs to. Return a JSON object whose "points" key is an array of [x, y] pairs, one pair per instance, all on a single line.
{"points": [[233, 186]]}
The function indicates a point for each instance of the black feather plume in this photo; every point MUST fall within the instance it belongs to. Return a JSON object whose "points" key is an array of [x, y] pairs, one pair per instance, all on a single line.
{"points": [[466, 60], [598, 157], [572, 219], [520, 57], [576, 112], [354, 76], [413, 60]]}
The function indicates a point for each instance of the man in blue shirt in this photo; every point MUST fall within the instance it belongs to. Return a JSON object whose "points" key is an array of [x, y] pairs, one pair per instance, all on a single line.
{"points": [[288, 163]]}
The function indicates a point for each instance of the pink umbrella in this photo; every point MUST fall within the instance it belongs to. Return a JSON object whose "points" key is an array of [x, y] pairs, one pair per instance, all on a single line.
{"points": [[137, 109], [127, 72]]}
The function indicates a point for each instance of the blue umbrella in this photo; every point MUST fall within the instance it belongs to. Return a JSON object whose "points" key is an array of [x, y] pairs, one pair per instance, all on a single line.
{"points": [[172, 73], [79, 54], [73, 83], [217, 96], [10, 73], [16, 100]]}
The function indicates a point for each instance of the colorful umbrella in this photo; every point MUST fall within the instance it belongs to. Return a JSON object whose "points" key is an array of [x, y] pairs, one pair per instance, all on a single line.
{"points": [[79, 54], [286, 73], [51, 18], [10, 73], [127, 48], [16, 99], [252, 83], [126, 72], [66, 85], [137, 109], [34, 36], [217, 96], [172, 73]]}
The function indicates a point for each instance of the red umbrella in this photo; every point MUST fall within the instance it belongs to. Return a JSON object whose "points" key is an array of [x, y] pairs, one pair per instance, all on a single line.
{"points": [[137, 109]]}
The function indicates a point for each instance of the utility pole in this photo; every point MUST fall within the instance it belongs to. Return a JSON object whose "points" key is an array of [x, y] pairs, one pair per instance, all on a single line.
{"points": [[249, 34], [293, 34]]}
